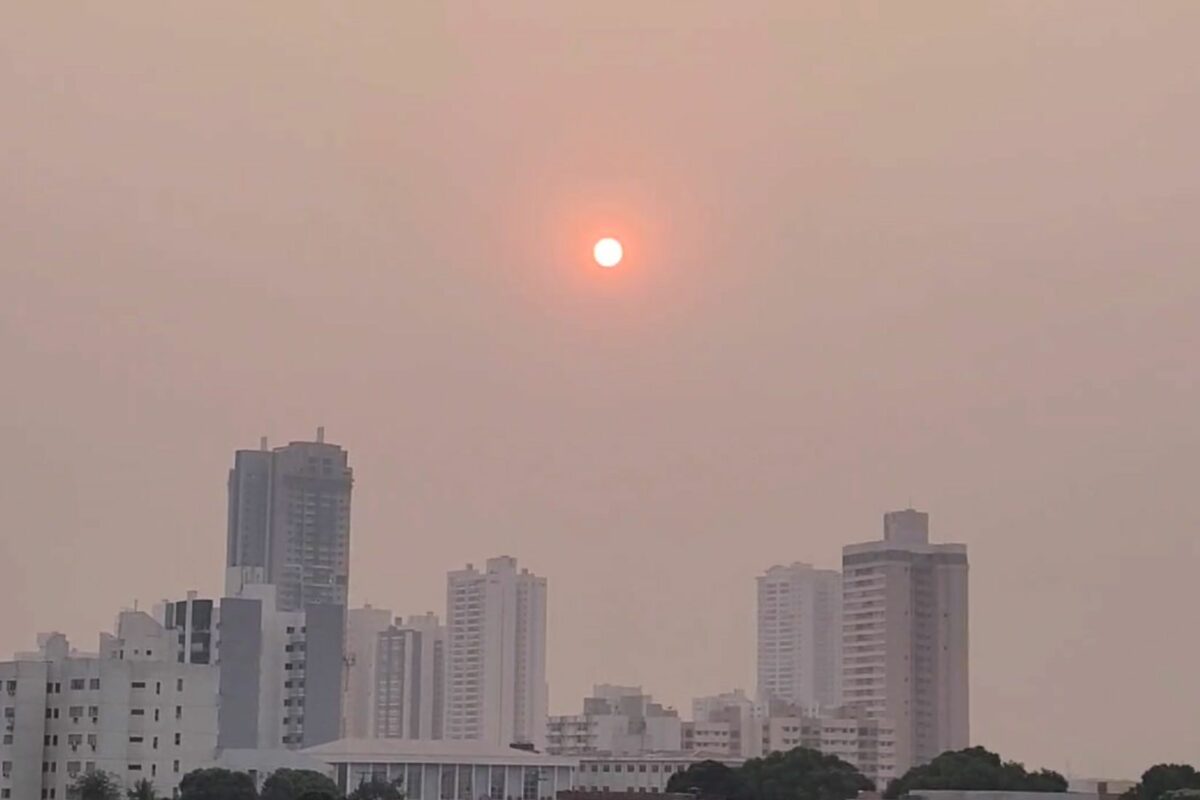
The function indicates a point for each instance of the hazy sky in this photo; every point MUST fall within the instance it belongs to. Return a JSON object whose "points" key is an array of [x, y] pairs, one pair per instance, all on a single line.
{"points": [[940, 252]]}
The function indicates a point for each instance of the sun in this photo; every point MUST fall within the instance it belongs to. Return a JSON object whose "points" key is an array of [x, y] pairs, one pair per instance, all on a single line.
{"points": [[608, 252]]}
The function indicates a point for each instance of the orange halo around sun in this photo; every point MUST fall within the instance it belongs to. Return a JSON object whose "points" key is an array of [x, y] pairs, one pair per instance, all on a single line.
{"points": [[608, 252]]}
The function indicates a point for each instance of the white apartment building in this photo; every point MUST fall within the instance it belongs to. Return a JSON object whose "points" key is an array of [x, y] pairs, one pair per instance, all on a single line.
{"points": [[363, 626], [619, 720], [280, 671], [799, 636], [133, 710], [867, 743], [496, 654], [409, 697], [904, 636]]}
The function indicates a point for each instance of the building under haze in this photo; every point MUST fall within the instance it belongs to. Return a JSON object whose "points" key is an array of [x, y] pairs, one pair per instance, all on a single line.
{"points": [[904, 636], [281, 672], [134, 710], [363, 626], [409, 695], [496, 654], [799, 636], [289, 514], [621, 720]]}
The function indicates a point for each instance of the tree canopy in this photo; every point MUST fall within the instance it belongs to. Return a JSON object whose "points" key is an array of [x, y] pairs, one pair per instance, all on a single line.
{"points": [[803, 774], [799, 774], [295, 784], [142, 790], [378, 789], [1167, 782], [98, 785], [975, 768], [709, 779], [215, 783]]}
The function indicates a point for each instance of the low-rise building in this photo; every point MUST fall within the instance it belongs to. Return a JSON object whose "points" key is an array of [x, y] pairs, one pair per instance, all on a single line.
{"points": [[617, 720], [133, 710], [647, 773], [851, 735], [448, 769]]}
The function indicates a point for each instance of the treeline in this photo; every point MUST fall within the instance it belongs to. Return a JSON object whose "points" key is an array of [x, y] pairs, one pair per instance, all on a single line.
{"points": [[224, 784]]}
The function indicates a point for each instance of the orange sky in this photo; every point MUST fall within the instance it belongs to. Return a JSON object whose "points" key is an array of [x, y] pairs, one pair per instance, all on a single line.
{"points": [[942, 251]]}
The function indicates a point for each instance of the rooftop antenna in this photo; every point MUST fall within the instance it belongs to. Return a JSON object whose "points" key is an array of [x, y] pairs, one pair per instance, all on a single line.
{"points": [[321, 434]]}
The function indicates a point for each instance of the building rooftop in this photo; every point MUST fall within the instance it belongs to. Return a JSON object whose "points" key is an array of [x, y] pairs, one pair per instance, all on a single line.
{"points": [[436, 751]]}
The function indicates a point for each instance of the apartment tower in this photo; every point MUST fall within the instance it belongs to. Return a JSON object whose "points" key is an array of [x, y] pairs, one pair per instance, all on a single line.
{"points": [[799, 636], [904, 636], [496, 654], [289, 516]]}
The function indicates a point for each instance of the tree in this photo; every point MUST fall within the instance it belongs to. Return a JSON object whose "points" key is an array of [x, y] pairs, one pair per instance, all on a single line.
{"points": [[978, 769], [142, 790], [97, 785], [215, 783], [802, 774], [709, 779], [294, 784], [1165, 779], [378, 789]]}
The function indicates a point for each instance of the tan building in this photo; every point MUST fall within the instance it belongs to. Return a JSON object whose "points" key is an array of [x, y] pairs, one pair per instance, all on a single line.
{"points": [[904, 636]]}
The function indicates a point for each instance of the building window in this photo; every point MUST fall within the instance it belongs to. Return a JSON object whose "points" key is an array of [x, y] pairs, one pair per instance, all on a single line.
{"points": [[179, 684], [94, 684], [77, 684], [137, 712], [138, 684], [136, 739], [178, 739]]}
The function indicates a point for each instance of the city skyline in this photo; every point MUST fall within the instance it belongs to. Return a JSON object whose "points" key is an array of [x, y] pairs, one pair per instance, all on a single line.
{"points": [[938, 255]]}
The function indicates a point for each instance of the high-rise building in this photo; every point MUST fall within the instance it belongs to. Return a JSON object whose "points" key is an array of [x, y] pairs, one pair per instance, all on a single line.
{"points": [[799, 636], [281, 672], [289, 515], [133, 710], [363, 626], [621, 720], [904, 636], [496, 654], [409, 697]]}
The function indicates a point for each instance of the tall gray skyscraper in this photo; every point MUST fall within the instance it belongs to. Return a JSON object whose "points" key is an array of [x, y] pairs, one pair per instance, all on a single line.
{"points": [[289, 522], [904, 636], [799, 636]]}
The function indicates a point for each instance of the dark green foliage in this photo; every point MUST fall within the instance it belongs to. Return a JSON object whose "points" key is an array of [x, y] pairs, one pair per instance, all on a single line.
{"points": [[1162, 781], [142, 790], [799, 774], [378, 789], [802, 774], [98, 785], [217, 784], [709, 779], [975, 769], [297, 784]]}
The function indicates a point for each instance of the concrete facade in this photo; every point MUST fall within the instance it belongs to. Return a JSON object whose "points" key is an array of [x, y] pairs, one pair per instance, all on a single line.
{"points": [[280, 672], [496, 654], [617, 720], [363, 626], [409, 699], [289, 515], [132, 710], [904, 636], [799, 636]]}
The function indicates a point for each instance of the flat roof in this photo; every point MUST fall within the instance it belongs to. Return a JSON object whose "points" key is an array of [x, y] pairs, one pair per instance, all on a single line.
{"points": [[439, 751]]}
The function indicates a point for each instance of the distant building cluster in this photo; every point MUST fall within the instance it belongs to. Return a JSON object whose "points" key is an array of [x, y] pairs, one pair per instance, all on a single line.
{"points": [[868, 663]]}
